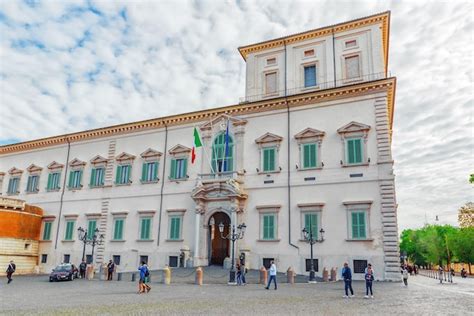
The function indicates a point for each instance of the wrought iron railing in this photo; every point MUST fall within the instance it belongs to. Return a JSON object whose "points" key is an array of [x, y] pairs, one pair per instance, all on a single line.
{"points": [[219, 175], [319, 86]]}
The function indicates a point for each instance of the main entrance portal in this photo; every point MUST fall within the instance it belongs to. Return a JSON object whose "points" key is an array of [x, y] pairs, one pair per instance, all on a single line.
{"points": [[219, 249]]}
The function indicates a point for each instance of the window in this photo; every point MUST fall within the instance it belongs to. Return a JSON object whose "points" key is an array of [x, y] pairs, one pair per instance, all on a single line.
{"points": [[144, 259], [88, 259], [173, 261], [66, 258], [179, 168], [32, 184], [267, 262], [69, 235], [150, 171], [352, 67], [359, 266], [47, 230], [309, 156], [44, 258], [315, 265], [91, 226], [223, 153], [269, 159], [309, 53], [271, 61], [311, 224], [354, 150], [145, 225], [358, 225], [118, 228], [351, 43], [175, 228], [116, 259], [269, 226], [123, 174], [53, 181], [97, 177], [75, 178], [310, 76], [13, 184], [270, 83]]}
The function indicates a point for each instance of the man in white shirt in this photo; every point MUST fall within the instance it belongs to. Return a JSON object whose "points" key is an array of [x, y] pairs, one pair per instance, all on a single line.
{"points": [[272, 272]]}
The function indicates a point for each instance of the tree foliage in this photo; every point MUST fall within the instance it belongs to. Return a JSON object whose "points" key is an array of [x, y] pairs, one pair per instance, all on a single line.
{"points": [[434, 244], [466, 215]]}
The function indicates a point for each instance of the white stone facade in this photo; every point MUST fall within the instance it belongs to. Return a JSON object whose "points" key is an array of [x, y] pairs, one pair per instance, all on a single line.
{"points": [[328, 115]]}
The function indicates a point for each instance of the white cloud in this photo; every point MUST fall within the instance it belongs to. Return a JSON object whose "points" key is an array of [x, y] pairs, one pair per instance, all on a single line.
{"points": [[83, 66]]}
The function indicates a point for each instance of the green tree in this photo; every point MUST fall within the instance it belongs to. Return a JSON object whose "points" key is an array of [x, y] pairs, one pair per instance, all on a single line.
{"points": [[463, 246]]}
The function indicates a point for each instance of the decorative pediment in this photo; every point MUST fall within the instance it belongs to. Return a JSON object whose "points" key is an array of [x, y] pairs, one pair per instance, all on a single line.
{"points": [[124, 157], [151, 153], [179, 149], [219, 190], [268, 138], [97, 160], [77, 163], [55, 165], [309, 135], [34, 168], [222, 119], [353, 127], [15, 171]]}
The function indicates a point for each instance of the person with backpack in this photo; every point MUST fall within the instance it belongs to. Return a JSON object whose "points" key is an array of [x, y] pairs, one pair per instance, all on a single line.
{"points": [[347, 276], [10, 270], [405, 275], [143, 287], [369, 278]]}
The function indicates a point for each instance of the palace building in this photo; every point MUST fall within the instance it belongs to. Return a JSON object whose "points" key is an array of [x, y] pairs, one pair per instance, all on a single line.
{"points": [[309, 146]]}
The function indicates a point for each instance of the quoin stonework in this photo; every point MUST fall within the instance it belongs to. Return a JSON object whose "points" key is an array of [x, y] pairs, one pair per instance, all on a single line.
{"points": [[308, 146]]}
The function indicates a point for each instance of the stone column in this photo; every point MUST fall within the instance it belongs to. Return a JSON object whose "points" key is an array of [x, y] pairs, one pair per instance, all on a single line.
{"points": [[197, 230], [239, 132], [206, 150]]}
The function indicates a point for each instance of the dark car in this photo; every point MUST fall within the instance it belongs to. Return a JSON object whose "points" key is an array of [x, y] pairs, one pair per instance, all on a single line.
{"points": [[63, 272]]}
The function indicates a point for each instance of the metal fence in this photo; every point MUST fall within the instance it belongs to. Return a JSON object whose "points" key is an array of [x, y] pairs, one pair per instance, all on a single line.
{"points": [[442, 276]]}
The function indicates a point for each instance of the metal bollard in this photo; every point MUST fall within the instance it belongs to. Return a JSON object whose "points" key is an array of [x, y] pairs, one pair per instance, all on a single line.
{"points": [[198, 280], [133, 277], [119, 276], [290, 276], [263, 276], [325, 274]]}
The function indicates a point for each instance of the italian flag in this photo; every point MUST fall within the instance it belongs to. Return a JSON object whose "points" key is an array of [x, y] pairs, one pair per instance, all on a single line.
{"points": [[197, 143]]}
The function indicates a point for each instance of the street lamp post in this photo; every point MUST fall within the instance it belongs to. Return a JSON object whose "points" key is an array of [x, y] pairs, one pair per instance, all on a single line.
{"points": [[233, 235], [309, 238], [96, 239]]}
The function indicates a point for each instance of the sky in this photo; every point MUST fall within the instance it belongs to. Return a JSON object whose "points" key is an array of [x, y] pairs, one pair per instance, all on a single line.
{"points": [[67, 66]]}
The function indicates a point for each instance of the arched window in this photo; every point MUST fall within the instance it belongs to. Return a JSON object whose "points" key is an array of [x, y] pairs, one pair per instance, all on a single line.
{"points": [[222, 158]]}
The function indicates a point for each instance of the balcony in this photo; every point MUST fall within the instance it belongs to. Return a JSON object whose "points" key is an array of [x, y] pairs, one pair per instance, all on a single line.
{"points": [[221, 176], [320, 86]]}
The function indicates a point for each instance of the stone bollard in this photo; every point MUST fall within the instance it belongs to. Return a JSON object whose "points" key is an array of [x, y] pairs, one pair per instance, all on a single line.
{"points": [[199, 273], [166, 275], [325, 274], [334, 274], [133, 276], [90, 272], [290, 276], [263, 276], [119, 276]]}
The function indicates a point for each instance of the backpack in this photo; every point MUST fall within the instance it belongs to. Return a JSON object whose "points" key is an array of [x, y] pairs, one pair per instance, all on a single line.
{"points": [[147, 273]]}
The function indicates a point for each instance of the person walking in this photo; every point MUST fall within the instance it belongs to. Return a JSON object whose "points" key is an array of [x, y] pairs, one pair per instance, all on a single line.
{"points": [[272, 273], [405, 276], [440, 271], [347, 276], [82, 269], [110, 270], [10, 270], [239, 274], [369, 278], [143, 287], [243, 271]]}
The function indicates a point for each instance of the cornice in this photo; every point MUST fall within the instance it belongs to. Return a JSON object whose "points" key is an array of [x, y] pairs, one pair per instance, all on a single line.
{"points": [[279, 103], [383, 18]]}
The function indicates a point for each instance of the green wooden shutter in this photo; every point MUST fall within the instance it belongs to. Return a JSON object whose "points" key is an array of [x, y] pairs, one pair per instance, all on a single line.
{"points": [[155, 171], [144, 172], [350, 151], [272, 159], [362, 229], [47, 231], [271, 226], [313, 153], [355, 226], [118, 174], [91, 228], [79, 179], [306, 157], [174, 228], [358, 150], [173, 169], [311, 223], [265, 227], [49, 187], [71, 179], [69, 230], [185, 168], [102, 175], [118, 229], [145, 230], [92, 182]]}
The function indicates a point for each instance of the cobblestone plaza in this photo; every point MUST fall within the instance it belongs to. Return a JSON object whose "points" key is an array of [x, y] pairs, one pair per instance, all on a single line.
{"points": [[423, 296]]}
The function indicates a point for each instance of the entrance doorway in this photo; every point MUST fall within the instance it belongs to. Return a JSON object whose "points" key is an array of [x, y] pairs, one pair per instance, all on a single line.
{"points": [[219, 247]]}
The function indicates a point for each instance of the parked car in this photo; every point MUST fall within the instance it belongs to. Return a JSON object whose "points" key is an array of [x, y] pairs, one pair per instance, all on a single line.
{"points": [[64, 271]]}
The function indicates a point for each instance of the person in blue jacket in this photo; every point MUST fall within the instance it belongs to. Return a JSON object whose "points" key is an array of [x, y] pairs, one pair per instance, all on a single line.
{"points": [[347, 277], [143, 287], [369, 278]]}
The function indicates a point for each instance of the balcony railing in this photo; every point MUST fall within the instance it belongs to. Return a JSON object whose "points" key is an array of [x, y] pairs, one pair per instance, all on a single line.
{"points": [[220, 175], [319, 86]]}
